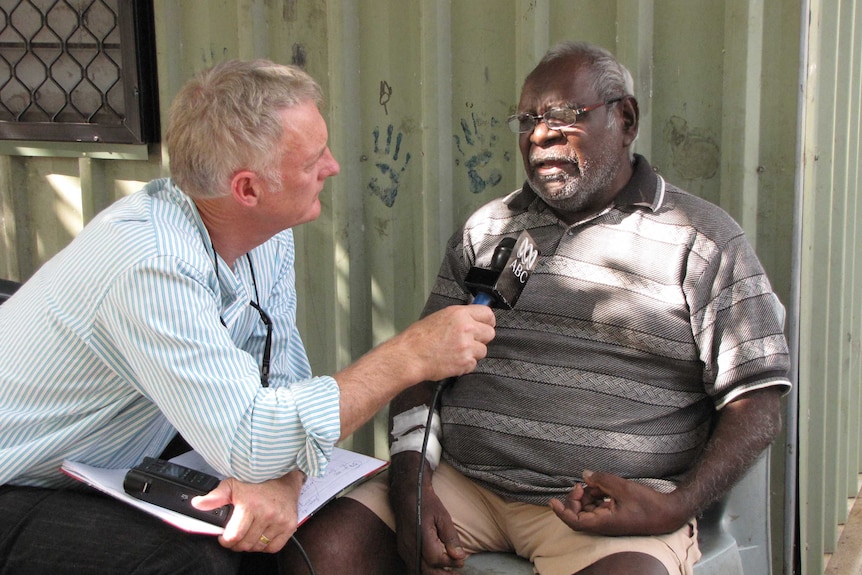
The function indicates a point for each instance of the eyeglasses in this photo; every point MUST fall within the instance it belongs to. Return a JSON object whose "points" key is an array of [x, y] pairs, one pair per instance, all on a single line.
{"points": [[555, 118], [264, 317], [267, 348]]}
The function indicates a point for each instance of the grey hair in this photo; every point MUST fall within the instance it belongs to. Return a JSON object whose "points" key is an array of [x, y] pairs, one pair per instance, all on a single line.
{"points": [[610, 78], [228, 118]]}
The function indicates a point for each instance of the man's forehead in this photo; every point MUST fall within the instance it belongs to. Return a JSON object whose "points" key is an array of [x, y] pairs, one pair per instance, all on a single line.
{"points": [[304, 129], [558, 83]]}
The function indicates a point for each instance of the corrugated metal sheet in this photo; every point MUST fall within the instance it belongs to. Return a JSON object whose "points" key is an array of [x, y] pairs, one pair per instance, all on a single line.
{"points": [[417, 92], [831, 276]]}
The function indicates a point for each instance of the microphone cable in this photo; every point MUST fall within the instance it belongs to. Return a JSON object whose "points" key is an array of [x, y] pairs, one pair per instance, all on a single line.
{"points": [[422, 462], [303, 554]]}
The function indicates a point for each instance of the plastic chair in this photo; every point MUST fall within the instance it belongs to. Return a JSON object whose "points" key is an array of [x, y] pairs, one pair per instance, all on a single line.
{"points": [[7, 288], [733, 534]]}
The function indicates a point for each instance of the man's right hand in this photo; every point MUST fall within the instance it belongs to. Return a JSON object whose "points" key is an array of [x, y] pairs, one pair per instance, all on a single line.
{"points": [[444, 344], [441, 546], [449, 342]]}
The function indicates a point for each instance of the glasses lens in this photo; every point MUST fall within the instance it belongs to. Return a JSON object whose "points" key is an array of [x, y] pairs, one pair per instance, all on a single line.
{"points": [[521, 124], [560, 118]]}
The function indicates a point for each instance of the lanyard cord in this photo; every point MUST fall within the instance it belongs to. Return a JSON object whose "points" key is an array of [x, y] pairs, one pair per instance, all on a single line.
{"points": [[264, 317]]}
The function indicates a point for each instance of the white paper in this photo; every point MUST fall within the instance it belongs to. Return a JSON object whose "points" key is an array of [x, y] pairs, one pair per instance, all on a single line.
{"points": [[345, 469]]}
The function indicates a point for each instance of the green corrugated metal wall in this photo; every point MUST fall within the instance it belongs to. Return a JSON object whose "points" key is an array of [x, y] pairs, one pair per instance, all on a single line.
{"points": [[751, 104], [831, 275]]}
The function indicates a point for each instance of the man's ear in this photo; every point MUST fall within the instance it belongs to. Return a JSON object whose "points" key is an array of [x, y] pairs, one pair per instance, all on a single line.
{"points": [[630, 116], [246, 187]]}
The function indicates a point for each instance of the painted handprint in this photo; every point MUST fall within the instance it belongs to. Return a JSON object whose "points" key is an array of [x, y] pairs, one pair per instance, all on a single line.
{"points": [[385, 186], [478, 153]]}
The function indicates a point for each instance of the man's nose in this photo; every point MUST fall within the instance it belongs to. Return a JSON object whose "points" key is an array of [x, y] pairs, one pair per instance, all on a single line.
{"points": [[542, 133]]}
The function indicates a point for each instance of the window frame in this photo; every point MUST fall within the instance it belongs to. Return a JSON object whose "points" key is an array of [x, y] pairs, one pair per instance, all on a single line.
{"points": [[140, 118]]}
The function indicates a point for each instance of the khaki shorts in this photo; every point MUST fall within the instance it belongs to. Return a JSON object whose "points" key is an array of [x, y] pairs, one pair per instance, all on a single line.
{"points": [[486, 522]]}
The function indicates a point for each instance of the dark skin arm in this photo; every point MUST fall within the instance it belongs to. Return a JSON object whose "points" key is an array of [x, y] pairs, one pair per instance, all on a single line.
{"points": [[611, 505], [441, 546]]}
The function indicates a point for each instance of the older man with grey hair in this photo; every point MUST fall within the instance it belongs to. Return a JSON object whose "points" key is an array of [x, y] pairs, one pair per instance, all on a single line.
{"points": [[637, 378]]}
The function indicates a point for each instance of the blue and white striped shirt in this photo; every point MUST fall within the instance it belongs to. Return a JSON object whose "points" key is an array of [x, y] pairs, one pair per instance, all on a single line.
{"points": [[118, 341]]}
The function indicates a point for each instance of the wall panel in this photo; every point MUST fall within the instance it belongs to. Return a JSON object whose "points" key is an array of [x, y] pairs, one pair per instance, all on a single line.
{"points": [[830, 289]]}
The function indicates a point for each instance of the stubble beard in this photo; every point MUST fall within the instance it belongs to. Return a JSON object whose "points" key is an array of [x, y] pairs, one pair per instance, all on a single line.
{"points": [[578, 192]]}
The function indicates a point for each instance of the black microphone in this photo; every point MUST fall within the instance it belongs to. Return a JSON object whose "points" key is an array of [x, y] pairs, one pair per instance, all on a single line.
{"points": [[511, 266]]}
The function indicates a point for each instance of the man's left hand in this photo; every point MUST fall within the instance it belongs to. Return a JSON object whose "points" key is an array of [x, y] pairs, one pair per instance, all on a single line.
{"points": [[264, 514], [611, 505]]}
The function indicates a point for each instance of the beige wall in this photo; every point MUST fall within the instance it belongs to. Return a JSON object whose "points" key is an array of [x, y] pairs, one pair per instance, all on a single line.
{"points": [[719, 86]]}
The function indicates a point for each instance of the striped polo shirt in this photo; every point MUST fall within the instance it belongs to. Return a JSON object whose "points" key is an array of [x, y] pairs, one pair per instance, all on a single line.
{"points": [[130, 334], [635, 327]]}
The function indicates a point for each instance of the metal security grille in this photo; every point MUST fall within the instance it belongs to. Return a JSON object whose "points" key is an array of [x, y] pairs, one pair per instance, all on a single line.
{"points": [[70, 70]]}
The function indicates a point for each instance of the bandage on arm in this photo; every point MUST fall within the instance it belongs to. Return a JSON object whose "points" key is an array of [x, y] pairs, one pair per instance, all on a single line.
{"points": [[408, 434]]}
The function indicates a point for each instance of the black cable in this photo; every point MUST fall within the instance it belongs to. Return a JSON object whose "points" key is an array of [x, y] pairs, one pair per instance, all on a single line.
{"points": [[437, 392], [304, 554]]}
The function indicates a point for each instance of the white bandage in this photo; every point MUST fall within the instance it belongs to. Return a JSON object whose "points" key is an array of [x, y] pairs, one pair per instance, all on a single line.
{"points": [[408, 433], [413, 419], [413, 442]]}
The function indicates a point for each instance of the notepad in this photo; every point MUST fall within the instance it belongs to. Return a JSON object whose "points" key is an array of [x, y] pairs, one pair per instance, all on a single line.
{"points": [[345, 469]]}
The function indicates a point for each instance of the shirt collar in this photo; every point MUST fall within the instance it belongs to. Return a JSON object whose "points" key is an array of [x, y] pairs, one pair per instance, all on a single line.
{"points": [[645, 188]]}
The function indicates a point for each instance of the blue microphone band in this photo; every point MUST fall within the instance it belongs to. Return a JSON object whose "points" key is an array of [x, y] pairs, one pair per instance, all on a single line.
{"points": [[483, 298]]}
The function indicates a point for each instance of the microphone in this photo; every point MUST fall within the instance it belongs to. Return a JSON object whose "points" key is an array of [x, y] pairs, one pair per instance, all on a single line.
{"points": [[511, 266]]}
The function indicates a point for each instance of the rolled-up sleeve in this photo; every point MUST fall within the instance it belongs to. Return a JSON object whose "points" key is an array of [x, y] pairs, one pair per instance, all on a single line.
{"points": [[208, 388], [317, 403]]}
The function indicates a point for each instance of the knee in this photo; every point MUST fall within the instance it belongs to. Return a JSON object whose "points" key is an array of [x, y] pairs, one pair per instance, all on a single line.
{"points": [[344, 537], [628, 562]]}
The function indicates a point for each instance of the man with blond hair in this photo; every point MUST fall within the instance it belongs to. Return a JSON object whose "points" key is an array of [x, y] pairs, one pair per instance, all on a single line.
{"points": [[172, 314]]}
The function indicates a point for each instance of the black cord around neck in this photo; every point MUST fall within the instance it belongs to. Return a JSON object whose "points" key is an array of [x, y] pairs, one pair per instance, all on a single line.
{"points": [[250, 268], [264, 317]]}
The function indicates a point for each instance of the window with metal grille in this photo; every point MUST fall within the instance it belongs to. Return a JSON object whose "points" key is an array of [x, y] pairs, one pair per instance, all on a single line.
{"points": [[78, 71]]}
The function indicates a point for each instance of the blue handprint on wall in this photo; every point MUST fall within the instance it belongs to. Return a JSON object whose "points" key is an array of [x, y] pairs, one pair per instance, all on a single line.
{"points": [[385, 186], [479, 154]]}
